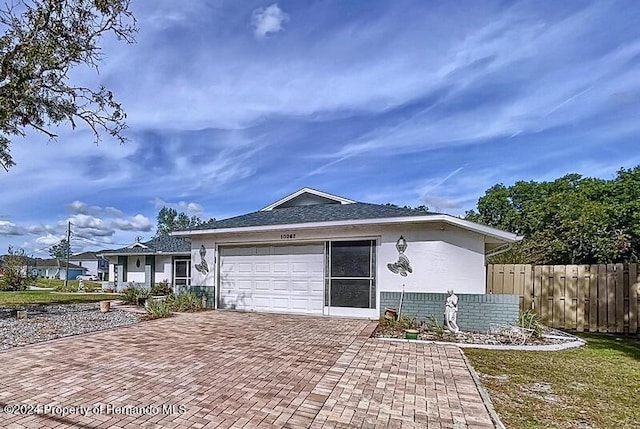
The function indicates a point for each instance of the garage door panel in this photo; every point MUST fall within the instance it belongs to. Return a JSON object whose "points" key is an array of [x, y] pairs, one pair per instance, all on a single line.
{"points": [[244, 268], [262, 268], [280, 285], [317, 286], [273, 278], [300, 286], [262, 285], [244, 285], [280, 268]]}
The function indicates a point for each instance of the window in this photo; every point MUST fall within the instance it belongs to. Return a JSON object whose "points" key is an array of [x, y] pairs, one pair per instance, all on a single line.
{"points": [[182, 272], [351, 274]]}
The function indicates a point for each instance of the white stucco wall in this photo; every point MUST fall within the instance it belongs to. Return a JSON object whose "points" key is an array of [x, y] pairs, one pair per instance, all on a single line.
{"points": [[90, 265], [163, 269], [442, 256], [112, 265], [135, 274]]}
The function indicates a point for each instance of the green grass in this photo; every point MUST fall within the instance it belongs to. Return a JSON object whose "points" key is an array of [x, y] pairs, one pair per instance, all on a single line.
{"points": [[58, 284], [47, 297], [596, 386]]}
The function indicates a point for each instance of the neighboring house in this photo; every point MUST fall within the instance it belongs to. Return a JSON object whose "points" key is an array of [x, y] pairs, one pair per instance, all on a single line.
{"points": [[54, 269], [317, 253], [50, 268], [145, 264], [96, 265]]}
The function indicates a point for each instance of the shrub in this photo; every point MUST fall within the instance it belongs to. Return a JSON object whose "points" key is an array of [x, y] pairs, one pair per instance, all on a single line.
{"points": [[158, 309], [134, 295], [186, 302], [161, 288], [436, 327], [531, 321]]}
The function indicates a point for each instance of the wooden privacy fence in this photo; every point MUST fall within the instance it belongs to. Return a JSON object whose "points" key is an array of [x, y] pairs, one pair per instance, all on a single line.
{"points": [[595, 298]]}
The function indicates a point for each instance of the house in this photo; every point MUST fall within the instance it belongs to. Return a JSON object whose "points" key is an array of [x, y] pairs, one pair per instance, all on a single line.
{"points": [[163, 258], [55, 269], [316, 253], [95, 265]]}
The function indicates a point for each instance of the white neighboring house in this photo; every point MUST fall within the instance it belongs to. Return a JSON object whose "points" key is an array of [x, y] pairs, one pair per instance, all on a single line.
{"points": [[316, 253], [154, 261], [95, 265]]}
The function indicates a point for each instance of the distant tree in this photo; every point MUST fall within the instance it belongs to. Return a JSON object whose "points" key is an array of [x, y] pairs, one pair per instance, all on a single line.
{"points": [[571, 220], [42, 41], [60, 250], [16, 274], [420, 208], [170, 220]]}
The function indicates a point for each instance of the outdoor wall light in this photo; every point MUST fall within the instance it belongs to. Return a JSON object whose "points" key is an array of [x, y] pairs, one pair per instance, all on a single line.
{"points": [[401, 244], [138, 263]]}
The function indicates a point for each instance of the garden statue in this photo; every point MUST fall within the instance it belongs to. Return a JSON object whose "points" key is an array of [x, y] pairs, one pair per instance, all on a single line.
{"points": [[451, 312]]}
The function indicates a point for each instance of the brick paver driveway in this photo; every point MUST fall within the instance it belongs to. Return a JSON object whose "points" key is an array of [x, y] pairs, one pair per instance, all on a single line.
{"points": [[225, 369]]}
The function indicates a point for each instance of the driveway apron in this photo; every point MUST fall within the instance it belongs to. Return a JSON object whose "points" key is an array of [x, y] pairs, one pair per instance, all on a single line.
{"points": [[238, 370]]}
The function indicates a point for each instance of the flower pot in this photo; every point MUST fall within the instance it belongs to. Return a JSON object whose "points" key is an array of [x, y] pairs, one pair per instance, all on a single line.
{"points": [[390, 313], [105, 306], [411, 334]]}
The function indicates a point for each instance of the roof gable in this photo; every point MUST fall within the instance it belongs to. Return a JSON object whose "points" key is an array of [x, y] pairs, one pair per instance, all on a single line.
{"points": [[307, 197]]}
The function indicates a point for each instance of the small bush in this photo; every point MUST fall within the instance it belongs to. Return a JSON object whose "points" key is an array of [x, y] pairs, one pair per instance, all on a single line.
{"points": [[406, 322], [436, 327], [531, 321], [161, 288], [134, 295], [186, 302], [158, 309]]}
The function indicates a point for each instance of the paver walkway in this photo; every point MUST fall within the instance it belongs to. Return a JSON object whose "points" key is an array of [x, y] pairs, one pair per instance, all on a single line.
{"points": [[226, 369]]}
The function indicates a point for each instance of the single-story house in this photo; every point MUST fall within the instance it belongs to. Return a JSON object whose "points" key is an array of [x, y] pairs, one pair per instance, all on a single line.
{"points": [[316, 253], [54, 269], [95, 265], [163, 258]]}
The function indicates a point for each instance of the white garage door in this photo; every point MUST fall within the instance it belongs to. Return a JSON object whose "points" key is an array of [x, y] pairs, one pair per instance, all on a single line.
{"points": [[288, 279]]}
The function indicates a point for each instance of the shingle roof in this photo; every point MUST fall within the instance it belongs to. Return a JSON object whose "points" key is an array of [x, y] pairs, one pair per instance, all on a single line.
{"points": [[84, 256], [313, 213], [162, 244]]}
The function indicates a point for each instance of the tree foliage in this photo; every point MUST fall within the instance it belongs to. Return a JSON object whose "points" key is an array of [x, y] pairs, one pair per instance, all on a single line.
{"points": [[571, 220], [60, 250], [16, 273], [170, 220], [42, 41]]}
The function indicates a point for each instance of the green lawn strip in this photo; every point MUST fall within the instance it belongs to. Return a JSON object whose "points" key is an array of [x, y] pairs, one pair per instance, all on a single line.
{"points": [[47, 297], [72, 284], [595, 386]]}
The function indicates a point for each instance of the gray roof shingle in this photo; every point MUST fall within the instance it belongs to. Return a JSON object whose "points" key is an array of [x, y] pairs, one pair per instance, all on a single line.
{"points": [[160, 244], [313, 213]]}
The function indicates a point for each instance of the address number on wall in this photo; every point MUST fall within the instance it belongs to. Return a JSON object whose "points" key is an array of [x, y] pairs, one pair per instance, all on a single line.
{"points": [[287, 236]]}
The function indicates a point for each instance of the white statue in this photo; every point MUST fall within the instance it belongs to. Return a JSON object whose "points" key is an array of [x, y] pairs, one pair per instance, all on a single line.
{"points": [[451, 312]]}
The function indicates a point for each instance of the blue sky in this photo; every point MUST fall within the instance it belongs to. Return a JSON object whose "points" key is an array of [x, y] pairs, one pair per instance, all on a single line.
{"points": [[233, 105]]}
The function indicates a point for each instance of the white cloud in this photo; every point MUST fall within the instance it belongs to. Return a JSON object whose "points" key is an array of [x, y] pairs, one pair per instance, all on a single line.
{"points": [[190, 208], [267, 20], [83, 208], [135, 223], [10, 228]]}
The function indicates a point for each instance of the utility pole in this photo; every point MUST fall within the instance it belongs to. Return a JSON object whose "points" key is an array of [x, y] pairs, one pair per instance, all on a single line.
{"points": [[66, 272]]}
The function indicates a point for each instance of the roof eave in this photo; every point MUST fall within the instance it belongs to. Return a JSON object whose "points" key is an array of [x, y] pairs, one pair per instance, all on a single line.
{"points": [[471, 226]]}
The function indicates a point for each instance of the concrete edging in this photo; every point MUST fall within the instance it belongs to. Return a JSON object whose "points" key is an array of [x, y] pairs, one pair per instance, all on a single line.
{"points": [[533, 348]]}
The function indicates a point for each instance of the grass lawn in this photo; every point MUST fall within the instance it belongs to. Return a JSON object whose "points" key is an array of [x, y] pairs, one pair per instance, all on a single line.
{"points": [[47, 297], [72, 285], [596, 386]]}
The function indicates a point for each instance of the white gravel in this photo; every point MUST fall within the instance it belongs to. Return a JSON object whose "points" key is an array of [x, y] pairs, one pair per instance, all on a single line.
{"points": [[54, 321]]}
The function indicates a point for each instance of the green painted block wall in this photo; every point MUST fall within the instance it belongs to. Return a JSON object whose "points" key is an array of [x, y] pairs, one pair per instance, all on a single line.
{"points": [[476, 312]]}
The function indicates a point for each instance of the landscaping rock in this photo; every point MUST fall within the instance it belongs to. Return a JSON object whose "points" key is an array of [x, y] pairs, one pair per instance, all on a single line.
{"points": [[54, 321]]}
